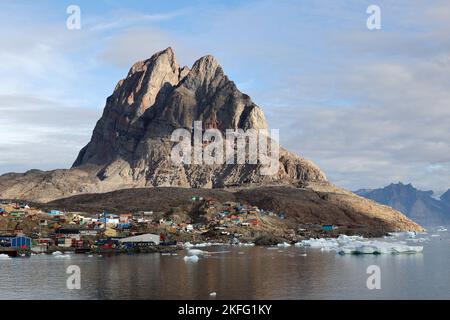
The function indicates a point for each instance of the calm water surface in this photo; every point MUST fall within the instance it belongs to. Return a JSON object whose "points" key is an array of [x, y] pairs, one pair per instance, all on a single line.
{"points": [[234, 273]]}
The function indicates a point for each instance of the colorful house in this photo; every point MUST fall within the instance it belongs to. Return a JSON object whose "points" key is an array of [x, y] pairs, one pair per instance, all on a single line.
{"points": [[328, 227], [21, 242], [125, 217], [55, 213]]}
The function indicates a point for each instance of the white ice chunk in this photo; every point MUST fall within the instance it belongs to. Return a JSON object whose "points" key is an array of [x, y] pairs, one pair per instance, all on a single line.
{"points": [[190, 258], [359, 245], [196, 252], [246, 244], [284, 245], [188, 245]]}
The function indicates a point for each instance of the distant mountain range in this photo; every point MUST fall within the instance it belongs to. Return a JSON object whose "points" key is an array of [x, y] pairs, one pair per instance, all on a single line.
{"points": [[417, 205]]}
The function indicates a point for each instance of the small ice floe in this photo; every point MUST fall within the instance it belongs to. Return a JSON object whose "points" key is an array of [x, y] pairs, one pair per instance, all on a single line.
{"points": [[174, 254], [4, 257], [435, 235], [410, 234], [57, 253], [62, 256], [165, 253], [403, 234], [326, 244], [190, 258], [188, 245], [284, 245], [196, 252], [420, 240], [246, 244], [90, 256], [303, 255], [441, 229], [201, 245], [213, 294]]}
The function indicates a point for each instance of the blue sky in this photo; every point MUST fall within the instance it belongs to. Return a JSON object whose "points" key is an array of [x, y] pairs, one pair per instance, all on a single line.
{"points": [[369, 107]]}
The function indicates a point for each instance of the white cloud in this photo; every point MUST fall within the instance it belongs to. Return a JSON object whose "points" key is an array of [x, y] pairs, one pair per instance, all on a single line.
{"points": [[42, 134], [125, 18]]}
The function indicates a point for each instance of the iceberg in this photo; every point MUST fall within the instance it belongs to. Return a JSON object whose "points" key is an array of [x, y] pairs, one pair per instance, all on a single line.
{"points": [[188, 245], [359, 245], [190, 258], [284, 245], [246, 244], [4, 257], [196, 252], [204, 244]]}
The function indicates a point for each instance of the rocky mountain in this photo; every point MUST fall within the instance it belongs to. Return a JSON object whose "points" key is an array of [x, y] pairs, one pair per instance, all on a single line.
{"points": [[418, 205], [131, 147], [131, 142]]}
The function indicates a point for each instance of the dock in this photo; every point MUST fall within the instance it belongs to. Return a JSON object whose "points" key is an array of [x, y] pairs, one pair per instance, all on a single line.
{"points": [[12, 252]]}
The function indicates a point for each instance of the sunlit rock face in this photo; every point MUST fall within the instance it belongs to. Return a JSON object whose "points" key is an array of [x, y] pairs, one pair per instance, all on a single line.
{"points": [[131, 142]]}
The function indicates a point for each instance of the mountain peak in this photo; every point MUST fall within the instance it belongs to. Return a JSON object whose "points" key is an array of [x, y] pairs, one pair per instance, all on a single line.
{"points": [[131, 143], [205, 71], [446, 196]]}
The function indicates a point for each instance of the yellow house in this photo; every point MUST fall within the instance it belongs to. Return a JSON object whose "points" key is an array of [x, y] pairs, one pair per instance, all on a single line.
{"points": [[110, 232]]}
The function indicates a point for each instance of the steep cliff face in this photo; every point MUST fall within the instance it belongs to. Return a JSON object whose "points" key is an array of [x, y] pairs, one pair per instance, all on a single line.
{"points": [[131, 142]]}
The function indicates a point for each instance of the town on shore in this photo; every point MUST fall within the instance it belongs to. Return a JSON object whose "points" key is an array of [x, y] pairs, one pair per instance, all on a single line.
{"points": [[27, 229]]}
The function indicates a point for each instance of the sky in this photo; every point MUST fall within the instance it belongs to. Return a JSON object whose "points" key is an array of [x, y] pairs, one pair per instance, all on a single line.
{"points": [[370, 107]]}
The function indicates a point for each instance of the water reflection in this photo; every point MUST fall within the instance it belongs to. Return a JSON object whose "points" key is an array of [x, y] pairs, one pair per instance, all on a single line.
{"points": [[236, 273]]}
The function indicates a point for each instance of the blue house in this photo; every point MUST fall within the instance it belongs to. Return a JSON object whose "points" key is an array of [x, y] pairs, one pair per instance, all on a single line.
{"points": [[21, 242], [328, 227], [55, 212]]}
